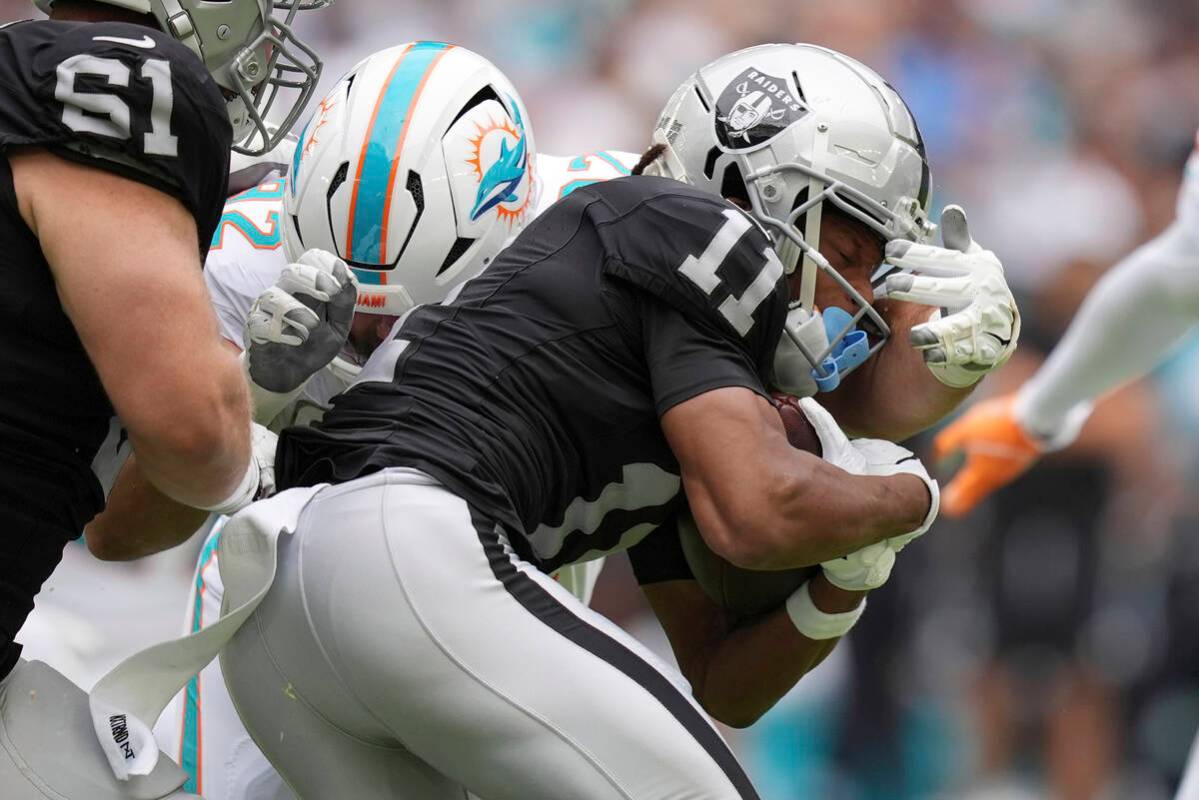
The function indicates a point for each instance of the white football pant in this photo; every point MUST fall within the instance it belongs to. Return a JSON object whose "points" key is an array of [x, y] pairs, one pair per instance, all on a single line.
{"points": [[200, 728], [405, 650]]}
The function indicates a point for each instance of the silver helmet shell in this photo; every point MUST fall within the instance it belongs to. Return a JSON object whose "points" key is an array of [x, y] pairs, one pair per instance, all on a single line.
{"points": [[799, 126]]}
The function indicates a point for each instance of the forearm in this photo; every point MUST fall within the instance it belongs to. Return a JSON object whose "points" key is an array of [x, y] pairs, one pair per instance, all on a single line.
{"points": [[139, 520], [200, 456], [762, 504], [832, 513], [1128, 322], [750, 668], [894, 395]]}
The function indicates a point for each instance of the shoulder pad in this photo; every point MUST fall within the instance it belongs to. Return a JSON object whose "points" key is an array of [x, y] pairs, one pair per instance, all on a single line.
{"points": [[122, 97], [696, 251]]}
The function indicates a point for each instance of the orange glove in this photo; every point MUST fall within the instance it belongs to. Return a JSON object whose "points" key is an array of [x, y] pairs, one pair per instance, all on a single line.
{"points": [[997, 452]]}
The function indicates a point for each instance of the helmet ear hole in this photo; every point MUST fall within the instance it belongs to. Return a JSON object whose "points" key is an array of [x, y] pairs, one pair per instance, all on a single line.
{"points": [[461, 245], [710, 164], [483, 95], [338, 179], [732, 186]]}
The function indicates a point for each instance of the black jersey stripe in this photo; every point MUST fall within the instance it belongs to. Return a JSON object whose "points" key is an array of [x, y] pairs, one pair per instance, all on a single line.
{"points": [[541, 604]]}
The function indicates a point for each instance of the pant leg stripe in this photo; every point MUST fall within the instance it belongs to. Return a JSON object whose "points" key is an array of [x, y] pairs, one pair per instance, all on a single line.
{"points": [[541, 604]]}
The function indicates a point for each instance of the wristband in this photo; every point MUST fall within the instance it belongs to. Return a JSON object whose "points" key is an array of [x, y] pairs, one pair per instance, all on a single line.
{"points": [[816, 624], [243, 495]]}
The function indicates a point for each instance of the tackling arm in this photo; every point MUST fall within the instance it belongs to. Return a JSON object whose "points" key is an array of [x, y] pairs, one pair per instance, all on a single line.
{"points": [[1126, 325], [738, 669], [1128, 322]]}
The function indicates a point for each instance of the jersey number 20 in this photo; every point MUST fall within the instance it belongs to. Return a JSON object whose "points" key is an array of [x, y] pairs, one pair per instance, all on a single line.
{"points": [[108, 114]]}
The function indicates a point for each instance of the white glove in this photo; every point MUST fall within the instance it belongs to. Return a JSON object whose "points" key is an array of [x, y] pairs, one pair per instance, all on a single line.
{"points": [[836, 448], [862, 570], [263, 444], [977, 324], [299, 325], [259, 481], [885, 458]]}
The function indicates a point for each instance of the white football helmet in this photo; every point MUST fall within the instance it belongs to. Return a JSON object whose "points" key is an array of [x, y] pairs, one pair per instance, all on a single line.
{"points": [[790, 127], [415, 169], [251, 52]]}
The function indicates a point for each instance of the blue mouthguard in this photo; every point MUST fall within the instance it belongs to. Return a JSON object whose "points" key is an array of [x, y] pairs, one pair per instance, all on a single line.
{"points": [[850, 352]]}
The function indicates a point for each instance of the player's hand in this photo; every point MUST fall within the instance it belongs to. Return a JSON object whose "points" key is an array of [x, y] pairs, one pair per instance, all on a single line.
{"points": [[998, 450], [299, 325], [976, 325], [863, 570], [885, 458], [263, 443], [835, 446]]}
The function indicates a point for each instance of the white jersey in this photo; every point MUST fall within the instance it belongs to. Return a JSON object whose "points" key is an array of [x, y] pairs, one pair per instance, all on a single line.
{"points": [[558, 176], [245, 259], [201, 729]]}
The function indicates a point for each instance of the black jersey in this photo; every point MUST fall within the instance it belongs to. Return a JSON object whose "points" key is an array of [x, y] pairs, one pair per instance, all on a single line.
{"points": [[122, 98], [535, 394]]}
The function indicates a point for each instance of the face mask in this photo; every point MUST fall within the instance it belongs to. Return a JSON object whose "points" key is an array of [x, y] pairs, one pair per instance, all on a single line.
{"points": [[805, 342]]}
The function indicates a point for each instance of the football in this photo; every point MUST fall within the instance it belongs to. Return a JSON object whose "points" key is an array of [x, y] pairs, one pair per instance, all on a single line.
{"points": [[744, 592]]}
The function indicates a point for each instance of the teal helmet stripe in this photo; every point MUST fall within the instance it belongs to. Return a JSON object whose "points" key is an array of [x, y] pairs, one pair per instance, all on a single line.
{"points": [[368, 276], [367, 236]]}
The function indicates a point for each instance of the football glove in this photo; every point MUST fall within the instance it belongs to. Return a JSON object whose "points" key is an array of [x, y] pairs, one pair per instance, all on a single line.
{"points": [[296, 327], [885, 458], [259, 479], [862, 570], [835, 446], [976, 325], [998, 450]]}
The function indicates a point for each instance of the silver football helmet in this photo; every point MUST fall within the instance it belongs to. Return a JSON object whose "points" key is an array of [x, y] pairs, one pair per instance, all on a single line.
{"points": [[252, 53], [792, 127]]}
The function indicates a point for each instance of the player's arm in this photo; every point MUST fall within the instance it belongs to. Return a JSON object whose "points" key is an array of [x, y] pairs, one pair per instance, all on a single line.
{"points": [[1135, 314], [762, 504], [139, 520], [128, 275], [738, 669]]}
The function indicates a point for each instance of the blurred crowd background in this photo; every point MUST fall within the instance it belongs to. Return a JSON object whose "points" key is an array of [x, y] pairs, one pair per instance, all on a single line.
{"points": [[1047, 646]]}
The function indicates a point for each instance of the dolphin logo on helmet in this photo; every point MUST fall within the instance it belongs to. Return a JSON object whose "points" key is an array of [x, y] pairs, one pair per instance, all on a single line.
{"points": [[504, 177]]}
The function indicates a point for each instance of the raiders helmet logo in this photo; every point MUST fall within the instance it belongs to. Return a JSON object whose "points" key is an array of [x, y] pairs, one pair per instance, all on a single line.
{"points": [[754, 108]]}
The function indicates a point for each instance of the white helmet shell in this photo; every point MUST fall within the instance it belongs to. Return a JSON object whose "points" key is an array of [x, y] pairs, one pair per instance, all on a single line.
{"points": [[415, 169], [795, 126]]}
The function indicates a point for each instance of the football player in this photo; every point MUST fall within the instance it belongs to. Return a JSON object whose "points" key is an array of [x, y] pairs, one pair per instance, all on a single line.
{"points": [[116, 125], [554, 410], [459, 127]]}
